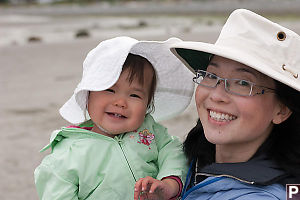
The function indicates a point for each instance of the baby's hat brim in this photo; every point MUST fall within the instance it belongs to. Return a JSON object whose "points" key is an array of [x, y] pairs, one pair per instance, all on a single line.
{"points": [[103, 65], [175, 86]]}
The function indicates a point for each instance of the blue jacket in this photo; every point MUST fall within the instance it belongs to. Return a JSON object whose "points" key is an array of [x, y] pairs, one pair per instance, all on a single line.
{"points": [[223, 188], [256, 179]]}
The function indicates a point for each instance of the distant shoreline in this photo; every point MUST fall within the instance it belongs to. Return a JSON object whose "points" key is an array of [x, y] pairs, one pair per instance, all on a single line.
{"points": [[183, 7]]}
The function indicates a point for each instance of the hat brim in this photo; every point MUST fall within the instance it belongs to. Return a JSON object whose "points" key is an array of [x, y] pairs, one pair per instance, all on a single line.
{"points": [[196, 55], [174, 87]]}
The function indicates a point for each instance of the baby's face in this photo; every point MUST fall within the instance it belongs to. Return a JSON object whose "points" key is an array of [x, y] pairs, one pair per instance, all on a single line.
{"points": [[122, 107]]}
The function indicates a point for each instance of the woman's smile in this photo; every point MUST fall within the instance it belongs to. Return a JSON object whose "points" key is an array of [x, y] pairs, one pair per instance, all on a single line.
{"points": [[220, 116]]}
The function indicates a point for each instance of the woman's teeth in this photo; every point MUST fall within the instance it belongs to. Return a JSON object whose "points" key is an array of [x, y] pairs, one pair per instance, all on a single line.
{"points": [[221, 116]]}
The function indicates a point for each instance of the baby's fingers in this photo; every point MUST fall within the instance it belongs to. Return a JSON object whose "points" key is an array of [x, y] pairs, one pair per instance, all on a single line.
{"points": [[141, 188], [137, 189], [156, 186], [146, 183]]}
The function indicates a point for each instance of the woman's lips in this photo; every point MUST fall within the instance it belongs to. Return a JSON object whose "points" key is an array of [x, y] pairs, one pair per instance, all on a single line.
{"points": [[220, 116]]}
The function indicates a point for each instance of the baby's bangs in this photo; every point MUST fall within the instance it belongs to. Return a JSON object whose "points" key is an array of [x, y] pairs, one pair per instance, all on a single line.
{"points": [[135, 65]]}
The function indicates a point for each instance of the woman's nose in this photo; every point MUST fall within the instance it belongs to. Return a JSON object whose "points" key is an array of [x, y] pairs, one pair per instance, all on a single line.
{"points": [[219, 94]]}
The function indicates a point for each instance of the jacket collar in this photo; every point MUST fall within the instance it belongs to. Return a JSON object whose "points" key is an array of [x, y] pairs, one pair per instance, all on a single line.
{"points": [[259, 170]]}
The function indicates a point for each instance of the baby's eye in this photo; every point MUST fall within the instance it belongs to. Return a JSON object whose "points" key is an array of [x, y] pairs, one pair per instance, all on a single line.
{"points": [[136, 96], [110, 90]]}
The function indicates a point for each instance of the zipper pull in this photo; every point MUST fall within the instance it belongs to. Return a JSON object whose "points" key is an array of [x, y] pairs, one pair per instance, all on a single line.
{"points": [[119, 140]]}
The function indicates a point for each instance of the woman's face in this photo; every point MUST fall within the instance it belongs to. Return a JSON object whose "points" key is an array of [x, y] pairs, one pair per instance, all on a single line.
{"points": [[239, 123]]}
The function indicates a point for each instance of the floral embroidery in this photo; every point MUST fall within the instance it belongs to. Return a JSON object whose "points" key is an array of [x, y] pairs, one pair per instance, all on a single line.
{"points": [[146, 137]]}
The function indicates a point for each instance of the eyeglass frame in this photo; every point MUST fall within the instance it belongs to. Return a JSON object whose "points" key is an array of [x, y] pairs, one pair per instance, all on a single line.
{"points": [[226, 84]]}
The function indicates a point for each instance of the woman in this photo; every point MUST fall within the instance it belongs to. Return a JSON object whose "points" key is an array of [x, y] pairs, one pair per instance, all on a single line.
{"points": [[246, 144]]}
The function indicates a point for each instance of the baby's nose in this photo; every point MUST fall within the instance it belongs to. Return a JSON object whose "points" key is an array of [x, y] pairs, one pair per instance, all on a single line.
{"points": [[120, 102]]}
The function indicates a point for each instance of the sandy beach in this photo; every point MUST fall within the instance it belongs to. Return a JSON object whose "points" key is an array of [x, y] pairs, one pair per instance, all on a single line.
{"points": [[41, 64]]}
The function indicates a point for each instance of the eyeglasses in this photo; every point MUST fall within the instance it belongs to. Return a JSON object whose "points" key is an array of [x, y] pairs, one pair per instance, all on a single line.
{"points": [[233, 86]]}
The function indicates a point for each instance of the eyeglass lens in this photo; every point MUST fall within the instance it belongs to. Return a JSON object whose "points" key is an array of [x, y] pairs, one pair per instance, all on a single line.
{"points": [[236, 86]]}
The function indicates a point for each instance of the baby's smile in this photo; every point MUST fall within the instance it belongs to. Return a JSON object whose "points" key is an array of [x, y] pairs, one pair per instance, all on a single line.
{"points": [[116, 115]]}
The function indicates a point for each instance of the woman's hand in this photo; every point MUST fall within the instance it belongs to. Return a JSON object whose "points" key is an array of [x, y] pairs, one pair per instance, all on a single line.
{"points": [[149, 188]]}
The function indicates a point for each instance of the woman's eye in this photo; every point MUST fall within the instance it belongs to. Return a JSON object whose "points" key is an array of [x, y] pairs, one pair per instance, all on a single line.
{"points": [[211, 76], [110, 90], [243, 83]]}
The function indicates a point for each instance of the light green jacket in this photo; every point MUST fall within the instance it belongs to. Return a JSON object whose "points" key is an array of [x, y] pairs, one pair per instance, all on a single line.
{"points": [[87, 165]]}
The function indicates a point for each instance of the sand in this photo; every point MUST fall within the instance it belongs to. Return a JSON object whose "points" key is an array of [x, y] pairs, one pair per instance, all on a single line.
{"points": [[36, 78]]}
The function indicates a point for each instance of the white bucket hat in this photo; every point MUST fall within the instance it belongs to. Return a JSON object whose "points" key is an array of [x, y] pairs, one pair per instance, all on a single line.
{"points": [[253, 40], [103, 65]]}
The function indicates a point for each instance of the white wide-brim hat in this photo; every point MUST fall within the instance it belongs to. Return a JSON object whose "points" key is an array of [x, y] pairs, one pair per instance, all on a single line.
{"points": [[103, 65], [252, 40]]}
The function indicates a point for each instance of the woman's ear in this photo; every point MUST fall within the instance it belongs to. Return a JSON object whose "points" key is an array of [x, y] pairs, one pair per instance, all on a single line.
{"points": [[283, 114]]}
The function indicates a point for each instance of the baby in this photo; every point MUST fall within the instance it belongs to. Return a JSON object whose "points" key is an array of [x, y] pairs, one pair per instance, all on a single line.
{"points": [[118, 147]]}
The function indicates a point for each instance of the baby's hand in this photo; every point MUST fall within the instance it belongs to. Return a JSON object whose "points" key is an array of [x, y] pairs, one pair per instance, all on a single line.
{"points": [[153, 189]]}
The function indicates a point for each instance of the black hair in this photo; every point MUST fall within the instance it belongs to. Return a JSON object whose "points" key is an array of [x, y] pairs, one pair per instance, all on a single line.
{"points": [[285, 137], [282, 146], [197, 146]]}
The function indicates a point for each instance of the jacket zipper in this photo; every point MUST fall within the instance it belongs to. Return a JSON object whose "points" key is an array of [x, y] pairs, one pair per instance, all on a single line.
{"points": [[120, 145], [217, 178], [221, 175], [119, 141], [229, 176]]}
